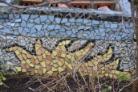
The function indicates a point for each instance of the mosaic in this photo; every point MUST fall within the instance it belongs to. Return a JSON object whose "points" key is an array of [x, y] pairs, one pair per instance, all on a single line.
{"points": [[59, 60], [52, 43], [21, 27]]}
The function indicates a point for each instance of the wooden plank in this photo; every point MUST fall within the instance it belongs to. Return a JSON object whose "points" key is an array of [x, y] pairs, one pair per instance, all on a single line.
{"points": [[111, 2], [76, 11], [33, 1], [81, 1]]}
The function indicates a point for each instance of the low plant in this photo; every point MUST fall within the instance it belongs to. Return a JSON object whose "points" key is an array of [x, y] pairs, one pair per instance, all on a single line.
{"points": [[2, 78]]}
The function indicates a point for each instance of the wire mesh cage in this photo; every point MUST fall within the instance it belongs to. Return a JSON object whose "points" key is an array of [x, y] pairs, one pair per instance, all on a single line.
{"points": [[66, 49]]}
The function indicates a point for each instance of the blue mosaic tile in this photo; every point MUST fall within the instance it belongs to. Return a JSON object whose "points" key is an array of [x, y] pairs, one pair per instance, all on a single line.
{"points": [[37, 21], [38, 27], [43, 18], [25, 17]]}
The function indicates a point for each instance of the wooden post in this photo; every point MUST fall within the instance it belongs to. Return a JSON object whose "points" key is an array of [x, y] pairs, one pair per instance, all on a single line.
{"points": [[135, 86], [136, 21], [136, 29]]}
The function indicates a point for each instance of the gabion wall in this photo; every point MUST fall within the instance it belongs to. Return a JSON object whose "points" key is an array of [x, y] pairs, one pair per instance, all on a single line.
{"points": [[46, 44]]}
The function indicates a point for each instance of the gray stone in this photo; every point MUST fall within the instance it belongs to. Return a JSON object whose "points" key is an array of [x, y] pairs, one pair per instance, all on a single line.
{"points": [[34, 16], [64, 20], [1, 26], [38, 27], [62, 30], [17, 25], [6, 30], [93, 33], [57, 27], [107, 25], [90, 24], [43, 18], [114, 26], [51, 18], [79, 20], [128, 25], [18, 20], [98, 37], [11, 16], [37, 21], [23, 24], [95, 22], [68, 24], [18, 16], [20, 29], [26, 30], [101, 30], [50, 27], [77, 44], [45, 27], [103, 34], [62, 34], [74, 31], [10, 24], [101, 26], [53, 34], [74, 35], [57, 20], [86, 21], [131, 25], [86, 28], [41, 33], [30, 25], [69, 32], [30, 21], [25, 17], [72, 20]]}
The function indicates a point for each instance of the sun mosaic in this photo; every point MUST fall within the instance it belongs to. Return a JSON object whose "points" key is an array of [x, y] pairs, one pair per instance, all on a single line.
{"points": [[59, 60]]}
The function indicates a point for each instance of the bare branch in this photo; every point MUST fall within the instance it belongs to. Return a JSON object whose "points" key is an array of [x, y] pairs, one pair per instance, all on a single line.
{"points": [[131, 83]]}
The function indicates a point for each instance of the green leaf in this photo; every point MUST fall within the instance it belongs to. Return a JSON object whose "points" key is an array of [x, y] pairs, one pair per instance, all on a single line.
{"points": [[123, 76]]}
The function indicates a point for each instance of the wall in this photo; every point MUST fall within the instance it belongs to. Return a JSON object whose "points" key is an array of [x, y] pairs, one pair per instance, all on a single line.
{"points": [[21, 34], [45, 25]]}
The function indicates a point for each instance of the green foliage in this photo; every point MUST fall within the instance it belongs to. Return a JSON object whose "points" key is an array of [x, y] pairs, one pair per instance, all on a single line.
{"points": [[123, 76], [2, 78]]}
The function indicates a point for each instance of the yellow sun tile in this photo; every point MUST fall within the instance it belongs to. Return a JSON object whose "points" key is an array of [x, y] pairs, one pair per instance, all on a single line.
{"points": [[68, 65], [50, 72], [43, 63], [23, 62], [36, 71], [54, 53], [63, 55], [40, 57], [23, 70], [60, 63], [44, 70], [37, 66], [31, 65], [18, 69], [55, 65], [60, 69], [54, 69]]}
